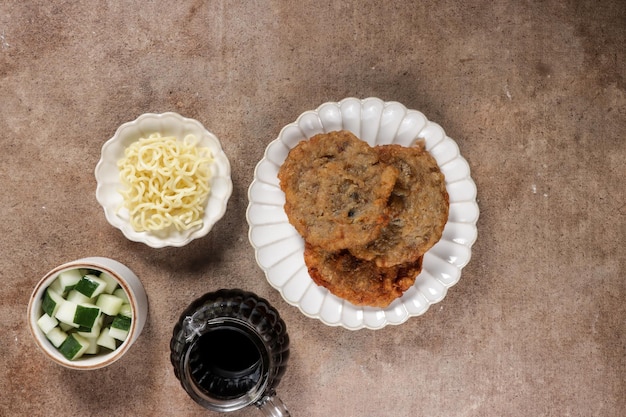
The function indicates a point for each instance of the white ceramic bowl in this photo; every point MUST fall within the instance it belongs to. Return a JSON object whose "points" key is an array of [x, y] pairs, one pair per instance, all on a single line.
{"points": [[137, 299], [109, 184]]}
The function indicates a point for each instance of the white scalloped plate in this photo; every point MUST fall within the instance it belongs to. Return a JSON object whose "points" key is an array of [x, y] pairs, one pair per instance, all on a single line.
{"points": [[279, 248], [109, 184]]}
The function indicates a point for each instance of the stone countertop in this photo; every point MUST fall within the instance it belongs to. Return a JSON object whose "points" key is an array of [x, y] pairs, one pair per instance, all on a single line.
{"points": [[533, 94]]}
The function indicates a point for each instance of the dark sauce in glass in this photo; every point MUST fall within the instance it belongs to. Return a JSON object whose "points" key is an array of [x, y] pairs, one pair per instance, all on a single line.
{"points": [[225, 362]]}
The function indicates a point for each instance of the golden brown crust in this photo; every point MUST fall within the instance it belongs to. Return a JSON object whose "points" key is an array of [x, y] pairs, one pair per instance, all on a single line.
{"points": [[418, 207], [367, 215], [336, 190], [360, 282]]}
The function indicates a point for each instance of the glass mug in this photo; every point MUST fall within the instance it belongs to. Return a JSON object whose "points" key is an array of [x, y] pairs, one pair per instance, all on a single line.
{"points": [[229, 350]]}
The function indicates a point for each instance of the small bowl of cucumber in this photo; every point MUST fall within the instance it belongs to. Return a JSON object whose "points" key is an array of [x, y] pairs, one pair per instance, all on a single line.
{"points": [[87, 313]]}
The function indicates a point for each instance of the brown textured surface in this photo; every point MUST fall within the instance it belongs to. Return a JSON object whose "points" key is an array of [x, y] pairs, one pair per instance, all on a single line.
{"points": [[336, 190], [533, 94], [419, 206], [361, 282]]}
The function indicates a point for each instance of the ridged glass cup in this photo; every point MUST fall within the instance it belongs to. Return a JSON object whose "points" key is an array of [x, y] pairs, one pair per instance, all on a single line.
{"points": [[229, 349]]}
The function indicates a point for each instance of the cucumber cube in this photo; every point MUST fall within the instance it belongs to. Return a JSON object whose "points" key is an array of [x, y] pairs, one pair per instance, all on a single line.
{"points": [[78, 297], [109, 304], [66, 312], [93, 347], [121, 322], [66, 327], [74, 346], [120, 327], [66, 280], [118, 334], [51, 302], [91, 286], [106, 340], [111, 283], [47, 323], [126, 310], [78, 315], [86, 315], [56, 336], [119, 292], [94, 331]]}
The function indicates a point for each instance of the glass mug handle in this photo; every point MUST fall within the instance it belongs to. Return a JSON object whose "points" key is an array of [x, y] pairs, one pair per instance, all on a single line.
{"points": [[272, 406]]}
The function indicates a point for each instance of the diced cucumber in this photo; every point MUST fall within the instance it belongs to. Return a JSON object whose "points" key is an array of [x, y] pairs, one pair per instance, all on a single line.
{"points": [[57, 286], [51, 302], [106, 340], [111, 283], [94, 331], [47, 323], [119, 292], [86, 315], [109, 304], [66, 312], [78, 297], [66, 280], [121, 322], [118, 334], [85, 312], [66, 327], [77, 315], [91, 286], [56, 336], [93, 347], [74, 346], [126, 310], [120, 327]]}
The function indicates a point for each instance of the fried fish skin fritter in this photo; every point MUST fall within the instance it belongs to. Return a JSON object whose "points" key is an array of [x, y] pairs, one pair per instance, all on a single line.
{"points": [[419, 207], [336, 190], [360, 282]]}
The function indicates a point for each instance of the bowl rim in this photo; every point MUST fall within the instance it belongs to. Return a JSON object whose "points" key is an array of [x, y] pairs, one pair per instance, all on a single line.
{"points": [[42, 342]]}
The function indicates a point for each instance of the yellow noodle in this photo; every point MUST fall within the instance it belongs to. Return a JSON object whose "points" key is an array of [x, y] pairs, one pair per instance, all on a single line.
{"points": [[166, 182]]}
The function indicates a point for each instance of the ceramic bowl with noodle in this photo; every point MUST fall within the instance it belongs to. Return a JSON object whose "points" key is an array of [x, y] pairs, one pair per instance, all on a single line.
{"points": [[121, 187]]}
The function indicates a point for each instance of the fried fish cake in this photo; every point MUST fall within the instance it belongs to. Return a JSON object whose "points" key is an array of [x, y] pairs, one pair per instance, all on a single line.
{"points": [[336, 190], [418, 206], [360, 282]]}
